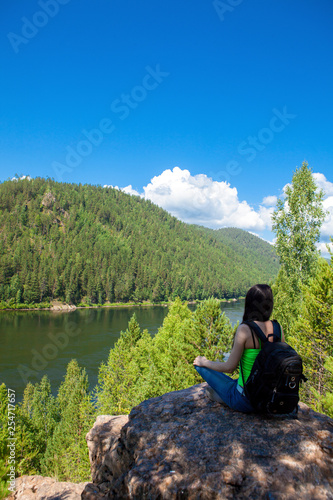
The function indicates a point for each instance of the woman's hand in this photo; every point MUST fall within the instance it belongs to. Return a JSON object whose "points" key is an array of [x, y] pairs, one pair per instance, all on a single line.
{"points": [[200, 361]]}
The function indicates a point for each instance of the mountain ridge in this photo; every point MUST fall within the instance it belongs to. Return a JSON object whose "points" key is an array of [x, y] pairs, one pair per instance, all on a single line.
{"points": [[75, 242]]}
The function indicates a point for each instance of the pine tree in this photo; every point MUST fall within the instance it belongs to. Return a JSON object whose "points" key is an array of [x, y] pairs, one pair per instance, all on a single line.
{"points": [[31, 288], [66, 457], [185, 335], [140, 367], [85, 243], [312, 334], [37, 418], [327, 399], [4, 450], [117, 378]]}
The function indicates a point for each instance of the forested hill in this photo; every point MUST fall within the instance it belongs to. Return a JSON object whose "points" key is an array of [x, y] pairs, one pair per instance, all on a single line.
{"points": [[87, 243], [257, 251]]}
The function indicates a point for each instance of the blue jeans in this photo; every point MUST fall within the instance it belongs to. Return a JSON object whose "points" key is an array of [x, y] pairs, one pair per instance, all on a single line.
{"points": [[226, 388]]}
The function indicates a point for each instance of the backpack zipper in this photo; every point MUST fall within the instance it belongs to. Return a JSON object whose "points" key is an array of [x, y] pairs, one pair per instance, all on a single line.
{"points": [[273, 396]]}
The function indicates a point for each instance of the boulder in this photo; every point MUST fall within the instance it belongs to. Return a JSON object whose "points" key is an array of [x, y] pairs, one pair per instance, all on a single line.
{"points": [[184, 446], [102, 442], [41, 488], [57, 306], [48, 200]]}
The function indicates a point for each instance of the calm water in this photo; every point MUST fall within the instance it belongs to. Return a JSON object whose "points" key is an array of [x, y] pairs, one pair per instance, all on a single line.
{"points": [[35, 343]]}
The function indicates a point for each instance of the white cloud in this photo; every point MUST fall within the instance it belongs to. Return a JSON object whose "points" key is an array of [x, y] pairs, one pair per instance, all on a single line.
{"points": [[264, 239], [269, 201], [197, 199], [22, 177], [323, 248], [284, 189], [327, 227], [128, 189], [200, 200], [323, 183], [327, 187]]}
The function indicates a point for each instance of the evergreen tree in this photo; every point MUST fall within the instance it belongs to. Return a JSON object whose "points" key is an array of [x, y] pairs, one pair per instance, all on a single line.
{"points": [[31, 288], [312, 334], [327, 398], [66, 456], [140, 367], [37, 419], [185, 335], [87, 243], [168, 355], [117, 379], [4, 450], [3, 421]]}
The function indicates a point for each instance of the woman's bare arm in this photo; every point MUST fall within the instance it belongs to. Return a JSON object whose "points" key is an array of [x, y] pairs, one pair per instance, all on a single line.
{"points": [[232, 362], [282, 334]]}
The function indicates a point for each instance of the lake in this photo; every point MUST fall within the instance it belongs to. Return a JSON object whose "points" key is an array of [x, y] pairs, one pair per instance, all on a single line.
{"points": [[35, 343]]}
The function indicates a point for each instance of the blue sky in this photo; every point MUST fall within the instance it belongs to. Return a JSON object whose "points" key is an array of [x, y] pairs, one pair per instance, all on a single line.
{"points": [[205, 107]]}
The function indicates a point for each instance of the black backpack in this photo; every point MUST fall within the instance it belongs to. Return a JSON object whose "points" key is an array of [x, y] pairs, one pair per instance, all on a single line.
{"points": [[273, 384]]}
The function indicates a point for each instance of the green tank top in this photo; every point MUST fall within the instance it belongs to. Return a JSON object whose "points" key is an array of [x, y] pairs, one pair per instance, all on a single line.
{"points": [[247, 360]]}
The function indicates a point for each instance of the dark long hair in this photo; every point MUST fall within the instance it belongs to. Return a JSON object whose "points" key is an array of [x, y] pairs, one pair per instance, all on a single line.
{"points": [[258, 303]]}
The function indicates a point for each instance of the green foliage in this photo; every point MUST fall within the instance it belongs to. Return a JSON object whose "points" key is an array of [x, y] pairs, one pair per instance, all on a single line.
{"points": [[4, 491], [4, 451], [257, 251], [327, 398], [303, 290], [94, 245], [118, 378], [324, 402], [34, 423], [296, 222], [140, 367], [286, 305], [11, 304], [312, 333], [3, 421], [50, 431], [66, 456], [37, 418], [185, 335]]}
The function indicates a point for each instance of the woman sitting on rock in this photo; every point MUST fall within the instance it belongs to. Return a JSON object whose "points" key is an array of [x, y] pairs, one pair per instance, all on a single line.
{"points": [[246, 346]]}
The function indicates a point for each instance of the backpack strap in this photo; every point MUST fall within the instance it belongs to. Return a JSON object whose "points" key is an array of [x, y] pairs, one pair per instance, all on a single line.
{"points": [[276, 331], [260, 334], [257, 330], [254, 343]]}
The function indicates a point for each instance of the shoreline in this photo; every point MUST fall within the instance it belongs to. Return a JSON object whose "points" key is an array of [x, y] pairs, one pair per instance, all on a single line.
{"points": [[62, 307]]}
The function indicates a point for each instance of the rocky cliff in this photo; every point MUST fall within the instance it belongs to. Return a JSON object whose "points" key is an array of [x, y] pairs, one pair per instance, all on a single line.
{"points": [[184, 446]]}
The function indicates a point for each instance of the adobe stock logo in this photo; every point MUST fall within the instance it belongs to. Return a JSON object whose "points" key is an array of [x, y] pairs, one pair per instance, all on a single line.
{"points": [[227, 6], [254, 144], [31, 27], [265, 136]]}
